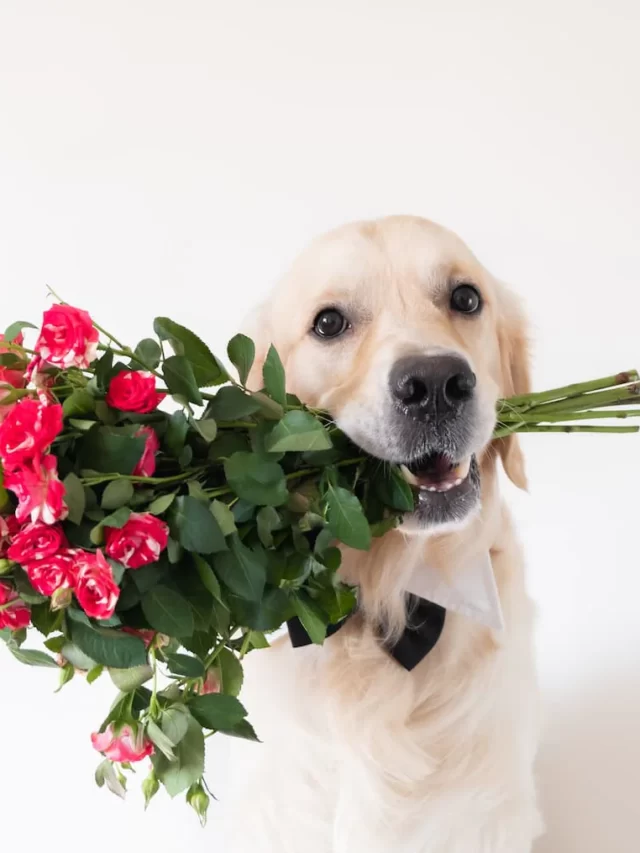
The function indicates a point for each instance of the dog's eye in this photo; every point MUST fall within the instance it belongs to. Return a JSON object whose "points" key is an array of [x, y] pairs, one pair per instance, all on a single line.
{"points": [[466, 299], [330, 323]]}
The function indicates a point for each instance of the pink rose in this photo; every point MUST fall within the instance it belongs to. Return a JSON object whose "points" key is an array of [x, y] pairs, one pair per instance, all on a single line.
{"points": [[68, 337], [122, 743], [28, 430], [95, 588], [147, 465], [52, 573], [9, 527], [134, 391], [36, 542], [39, 491], [211, 683], [14, 613], [140, 541]]}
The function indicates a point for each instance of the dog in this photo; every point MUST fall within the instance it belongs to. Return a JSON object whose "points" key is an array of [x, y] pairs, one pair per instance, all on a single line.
{"points": [[396, 329]]}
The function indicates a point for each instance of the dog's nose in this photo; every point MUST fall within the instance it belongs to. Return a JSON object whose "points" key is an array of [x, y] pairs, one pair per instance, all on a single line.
{"points": [[439, 383]]}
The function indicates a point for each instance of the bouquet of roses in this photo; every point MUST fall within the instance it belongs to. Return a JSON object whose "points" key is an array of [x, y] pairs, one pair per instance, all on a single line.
{"points": [[158, 543]]}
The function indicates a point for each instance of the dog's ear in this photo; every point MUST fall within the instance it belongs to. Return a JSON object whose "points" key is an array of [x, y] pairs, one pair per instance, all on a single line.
{"points": [[515, 368], [257, 326]]}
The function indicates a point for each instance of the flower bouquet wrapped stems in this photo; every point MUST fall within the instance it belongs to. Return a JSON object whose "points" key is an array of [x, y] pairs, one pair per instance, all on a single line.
{"points": [[155, 545]]}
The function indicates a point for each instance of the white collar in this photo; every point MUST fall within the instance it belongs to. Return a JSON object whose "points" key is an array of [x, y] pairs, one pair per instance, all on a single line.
{"points": [[469, 590]]}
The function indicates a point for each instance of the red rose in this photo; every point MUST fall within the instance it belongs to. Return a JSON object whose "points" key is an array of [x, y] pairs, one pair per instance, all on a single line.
{"points": [[122, 743], [147, 465], [14, 613], [9, 526], [51, 573], [134, 391], [40, 493], [140, 541], [211, 683], [96, 590], [28, 430], [145, 635], [36, 542], [68, 337]]}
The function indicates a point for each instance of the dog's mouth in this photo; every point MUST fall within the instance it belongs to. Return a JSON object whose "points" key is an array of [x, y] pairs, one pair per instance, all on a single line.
{"points": [[437, 472]]}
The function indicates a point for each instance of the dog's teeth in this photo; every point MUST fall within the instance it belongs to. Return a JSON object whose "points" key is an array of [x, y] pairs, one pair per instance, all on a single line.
{"points": [[462, 468], [409, 477]]}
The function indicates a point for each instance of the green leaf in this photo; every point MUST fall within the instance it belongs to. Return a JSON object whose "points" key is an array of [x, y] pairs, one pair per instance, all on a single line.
{"points": [[81, 424], [12, 331], [32, 657], [111, 648], [380, 528], [393, 490], [268, 614], [243, 729], [242, 352], [159, 739], [161, 504], [256, 480], [258, 640], [224, 517], [206, 368], [176, 434], [116, 494], [78, 403], [267, 520], [231, 674], [72, 653], [207, 576], [232, 404], [168, 612], [74, 497], [44, 619], [95, 673], [180, 379], [198, 530], [117, 519], [25, 590], [148, 355], [111, 450], [300, 431], [313, 619], [269, 409], [217, 711], [346, 518], [174, 722], [207, 429], [243, 570], [185, 666], [103, 370], [188, 766], [127, 680], [274, 378]]}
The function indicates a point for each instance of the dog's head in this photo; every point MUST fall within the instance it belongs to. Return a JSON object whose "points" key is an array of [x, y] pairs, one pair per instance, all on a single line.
{"points": [[398, 331]]}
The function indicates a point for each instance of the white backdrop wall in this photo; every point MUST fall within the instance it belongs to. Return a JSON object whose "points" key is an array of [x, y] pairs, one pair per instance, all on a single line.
{"points": [[171, 158]]}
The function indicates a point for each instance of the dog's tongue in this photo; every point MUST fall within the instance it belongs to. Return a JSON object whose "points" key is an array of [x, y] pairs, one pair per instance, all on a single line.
{"points": [[437, 473]]}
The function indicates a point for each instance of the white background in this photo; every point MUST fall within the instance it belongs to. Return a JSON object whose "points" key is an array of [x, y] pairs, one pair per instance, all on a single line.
{"points": [[172, 157]]}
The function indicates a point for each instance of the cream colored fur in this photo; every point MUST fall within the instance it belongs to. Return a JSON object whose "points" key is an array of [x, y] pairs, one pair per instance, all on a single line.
{"points": [[358, 755]]}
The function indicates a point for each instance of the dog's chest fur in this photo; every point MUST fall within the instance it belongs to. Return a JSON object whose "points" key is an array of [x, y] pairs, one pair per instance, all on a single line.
{"points": [[360, 755]]}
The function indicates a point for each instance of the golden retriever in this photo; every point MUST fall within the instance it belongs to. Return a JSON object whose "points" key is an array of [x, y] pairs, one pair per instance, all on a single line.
{"points": [[395, 328]]}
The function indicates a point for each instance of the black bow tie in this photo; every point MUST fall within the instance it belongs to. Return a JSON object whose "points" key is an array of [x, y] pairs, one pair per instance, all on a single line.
{"points": [[424, 627]]}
